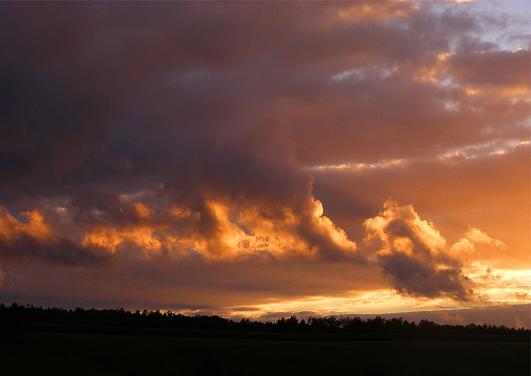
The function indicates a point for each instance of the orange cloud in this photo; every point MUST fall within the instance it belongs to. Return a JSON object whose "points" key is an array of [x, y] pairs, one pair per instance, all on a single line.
{"points": [[142, 210], [411, 251], [376, 10], [34, 227], [110, 238], [218, 230], [466, 246], [35, 239]]}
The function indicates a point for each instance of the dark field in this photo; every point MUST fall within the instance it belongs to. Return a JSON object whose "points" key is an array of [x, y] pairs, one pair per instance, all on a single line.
{"points": [[29, 353]]}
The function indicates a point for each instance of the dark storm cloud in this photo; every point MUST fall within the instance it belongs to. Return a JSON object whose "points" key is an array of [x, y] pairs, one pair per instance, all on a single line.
{"points": [[120, 95], [412, 276], [26, 248], [48, 128]]}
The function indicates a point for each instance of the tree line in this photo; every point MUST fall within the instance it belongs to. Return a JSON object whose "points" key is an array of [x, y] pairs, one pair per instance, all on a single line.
{"points": [[16, 316]]}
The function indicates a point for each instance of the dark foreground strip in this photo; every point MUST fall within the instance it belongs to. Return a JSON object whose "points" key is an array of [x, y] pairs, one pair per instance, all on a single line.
{"points": [[169, 332]]}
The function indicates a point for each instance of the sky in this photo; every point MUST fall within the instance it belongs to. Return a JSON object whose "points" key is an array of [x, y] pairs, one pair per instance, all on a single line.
{"points": [[251, 159]]}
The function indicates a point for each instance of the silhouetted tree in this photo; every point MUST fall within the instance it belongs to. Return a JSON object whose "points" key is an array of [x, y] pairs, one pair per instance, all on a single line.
{"points": [[17, 317]]}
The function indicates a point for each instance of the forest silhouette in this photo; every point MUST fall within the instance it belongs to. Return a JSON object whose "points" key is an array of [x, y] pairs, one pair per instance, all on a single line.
{"points": [[27, 317]]}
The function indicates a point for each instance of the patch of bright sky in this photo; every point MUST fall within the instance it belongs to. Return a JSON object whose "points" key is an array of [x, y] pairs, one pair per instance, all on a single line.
{"points": [[499, 286], [488, 10], [359, 166], [511, 36], [361, 73], [488, 149], [499, 147], [365, 302]]}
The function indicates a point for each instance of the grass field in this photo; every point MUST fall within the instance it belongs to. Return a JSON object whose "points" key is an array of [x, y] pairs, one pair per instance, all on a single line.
{"points": [[98, 354]]}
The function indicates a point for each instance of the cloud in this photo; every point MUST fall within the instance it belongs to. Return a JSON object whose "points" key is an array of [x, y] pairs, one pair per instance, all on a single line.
{"points": [[166, 103], [456, 193], [473, 237], [375, 11], [212, 229], [34, 240], [490, 68], [163, 136], [412, 253]]}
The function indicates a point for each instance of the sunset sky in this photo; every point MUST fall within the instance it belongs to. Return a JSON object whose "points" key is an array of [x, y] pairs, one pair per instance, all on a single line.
{"points": [[253, 158]]}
